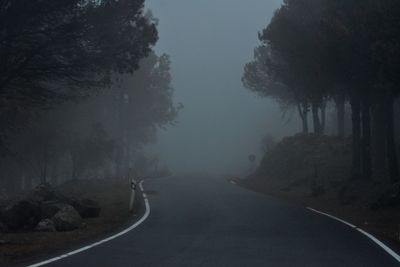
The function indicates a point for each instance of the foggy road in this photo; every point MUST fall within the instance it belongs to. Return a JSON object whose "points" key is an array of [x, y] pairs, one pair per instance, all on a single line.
{"points": [[200, 221]]}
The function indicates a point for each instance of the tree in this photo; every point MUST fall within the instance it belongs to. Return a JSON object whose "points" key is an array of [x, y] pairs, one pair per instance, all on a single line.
{"points": [[293, 59], [78, 63], [368, 57], [62, 50], [90, 152], [145, 105], [340, 50], [266, 76]]}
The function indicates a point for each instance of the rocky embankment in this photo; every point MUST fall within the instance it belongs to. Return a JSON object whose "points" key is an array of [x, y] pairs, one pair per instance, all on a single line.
{"points": [[315, 171], [46, 210], [50, 220], [304, 163]]}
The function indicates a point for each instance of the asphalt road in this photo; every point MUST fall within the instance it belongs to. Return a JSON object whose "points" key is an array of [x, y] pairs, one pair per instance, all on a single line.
{"points": [[200, 221]]}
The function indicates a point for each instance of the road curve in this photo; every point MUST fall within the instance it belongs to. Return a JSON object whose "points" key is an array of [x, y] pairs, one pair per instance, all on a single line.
{"points": [[202, 221]]}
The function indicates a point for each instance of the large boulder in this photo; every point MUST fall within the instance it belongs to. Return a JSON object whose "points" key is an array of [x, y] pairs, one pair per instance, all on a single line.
{"points": [[49, 208], [21, 215], [44, 209], [87, 208], [45, 225], [67, 219]]}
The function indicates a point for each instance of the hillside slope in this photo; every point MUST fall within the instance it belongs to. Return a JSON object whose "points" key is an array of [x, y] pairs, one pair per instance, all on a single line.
{"points": [[315, 171]]}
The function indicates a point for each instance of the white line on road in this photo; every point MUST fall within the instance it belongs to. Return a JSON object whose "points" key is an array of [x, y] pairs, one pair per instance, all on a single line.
{"points": [[374, 239], [386, 248], [233, 182], [136, 224], [333, 217]]}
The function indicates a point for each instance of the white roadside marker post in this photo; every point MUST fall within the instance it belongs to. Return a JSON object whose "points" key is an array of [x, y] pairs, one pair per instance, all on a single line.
{"points": [[133, 191]]}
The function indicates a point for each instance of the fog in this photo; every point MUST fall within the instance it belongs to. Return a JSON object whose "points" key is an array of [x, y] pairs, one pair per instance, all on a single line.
{"points": [[209, 42], [144, 128]]}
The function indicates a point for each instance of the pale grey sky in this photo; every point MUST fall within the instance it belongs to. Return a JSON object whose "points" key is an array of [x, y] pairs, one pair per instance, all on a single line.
{"points": [[209, 42]]}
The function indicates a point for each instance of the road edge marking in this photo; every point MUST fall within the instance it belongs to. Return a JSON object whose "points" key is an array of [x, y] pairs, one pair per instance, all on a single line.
{"points": [[133, 226], [363, 232], [333, 217]]}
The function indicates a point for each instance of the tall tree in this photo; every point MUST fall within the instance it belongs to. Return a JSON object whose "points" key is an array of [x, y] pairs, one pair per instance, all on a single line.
{"points": [[64, 49]]}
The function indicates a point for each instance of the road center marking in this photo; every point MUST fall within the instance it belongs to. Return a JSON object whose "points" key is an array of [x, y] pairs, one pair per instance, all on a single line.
{"points": [[136, 224]]}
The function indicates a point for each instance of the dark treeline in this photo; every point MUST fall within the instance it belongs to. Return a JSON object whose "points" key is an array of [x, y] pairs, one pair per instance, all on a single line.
{"points": [[81, 90], [345, 52]]}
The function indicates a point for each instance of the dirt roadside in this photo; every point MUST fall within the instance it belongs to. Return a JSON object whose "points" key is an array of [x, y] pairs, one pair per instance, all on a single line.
{"points": [[383, 223], [113, 197]]}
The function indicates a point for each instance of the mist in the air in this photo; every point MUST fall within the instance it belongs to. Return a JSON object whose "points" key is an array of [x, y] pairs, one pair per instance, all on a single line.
{"points": [[222, 122]]}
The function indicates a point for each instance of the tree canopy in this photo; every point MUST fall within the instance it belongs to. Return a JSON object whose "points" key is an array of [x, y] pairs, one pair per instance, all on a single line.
{"points": [[53, 51], [314, 51]]}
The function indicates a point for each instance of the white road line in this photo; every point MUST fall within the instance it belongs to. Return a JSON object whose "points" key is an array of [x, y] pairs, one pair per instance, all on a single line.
{"points": [[233, 182], [333, 217], [371, 237], [136, 224], [377, 241]]}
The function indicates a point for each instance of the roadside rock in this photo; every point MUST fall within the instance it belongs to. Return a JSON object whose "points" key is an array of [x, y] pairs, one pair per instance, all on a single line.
{"points": [[49, 208], [21, 215], [87, 208], [45, 225], [45, 209], [67, 219]]}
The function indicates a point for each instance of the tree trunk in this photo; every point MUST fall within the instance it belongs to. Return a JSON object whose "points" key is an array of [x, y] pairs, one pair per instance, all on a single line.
{"points": [[11, 184], [126, 157], [305, 124], [122, 154], [323, 117], [118, 161], [390, 139], [55, 173], [366, 137], [28, 182], [14, 182], [378, 147], [316, 120], [340, 107], [74, 175], [356, 150], [43, 179], [303, 113]]}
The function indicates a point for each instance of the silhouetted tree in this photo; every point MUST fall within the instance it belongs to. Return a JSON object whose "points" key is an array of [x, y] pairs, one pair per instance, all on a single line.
{"points": [[53, 51], [337, 50]]}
